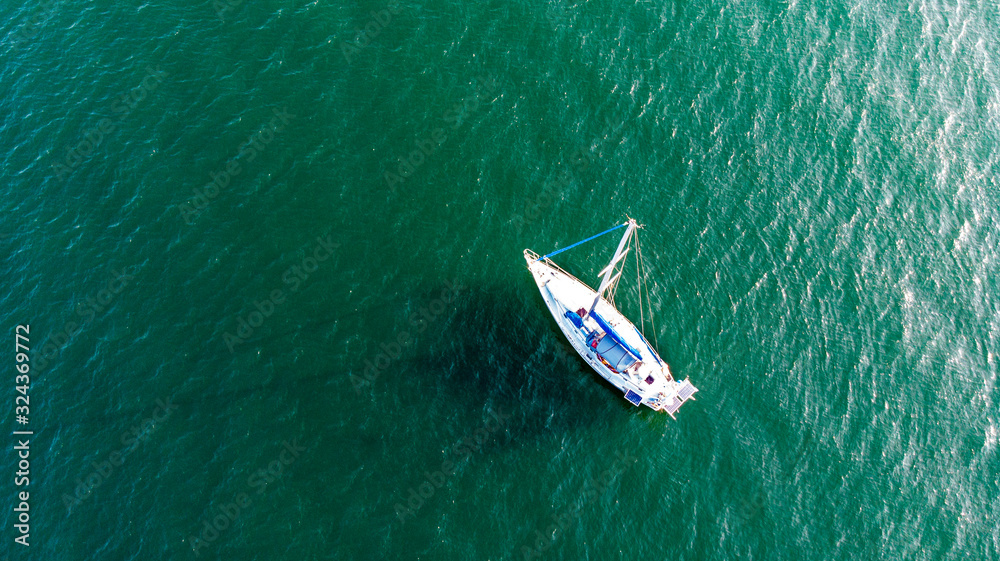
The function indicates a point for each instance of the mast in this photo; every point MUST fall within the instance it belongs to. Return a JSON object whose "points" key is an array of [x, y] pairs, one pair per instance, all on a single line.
{"points": [[619, 255]]}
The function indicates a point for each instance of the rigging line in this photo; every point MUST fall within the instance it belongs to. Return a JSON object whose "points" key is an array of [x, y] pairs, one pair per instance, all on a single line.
{"points": [[618, 279], [638, 284], [645, 289], [649, 303], [613, 289], [656, 337], [642, 287], [557, 252]]}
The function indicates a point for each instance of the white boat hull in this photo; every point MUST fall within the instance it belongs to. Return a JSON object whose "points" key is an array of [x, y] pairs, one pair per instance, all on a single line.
{"points": [[649, 382]]}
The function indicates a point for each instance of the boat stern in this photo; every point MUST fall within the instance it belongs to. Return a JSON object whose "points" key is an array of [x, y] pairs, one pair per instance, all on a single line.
{"points": [[670, 402]]}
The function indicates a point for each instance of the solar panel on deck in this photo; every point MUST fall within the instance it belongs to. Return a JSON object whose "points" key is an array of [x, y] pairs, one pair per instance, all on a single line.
{"points": [[674, 405], [686, 390], [633, 397]]}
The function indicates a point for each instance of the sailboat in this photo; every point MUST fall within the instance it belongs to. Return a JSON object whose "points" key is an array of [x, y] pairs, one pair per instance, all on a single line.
{"points": [[603, 336]]}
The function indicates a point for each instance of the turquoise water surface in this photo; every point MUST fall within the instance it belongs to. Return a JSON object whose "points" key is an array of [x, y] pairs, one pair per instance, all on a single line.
{"points": [[270, 254]]}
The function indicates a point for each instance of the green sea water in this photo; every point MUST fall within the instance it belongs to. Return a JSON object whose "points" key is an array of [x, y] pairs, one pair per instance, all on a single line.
{"points": [[270, 256]]}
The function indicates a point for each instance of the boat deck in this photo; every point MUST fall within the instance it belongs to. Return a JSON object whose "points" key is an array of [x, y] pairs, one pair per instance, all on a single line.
{"points": [[649, 381]]}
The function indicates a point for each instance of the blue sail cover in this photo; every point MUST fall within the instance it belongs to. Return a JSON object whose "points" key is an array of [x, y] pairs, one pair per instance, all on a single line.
{"points": [[614, 335], [573, 317], [644, 340], [615, 354]]}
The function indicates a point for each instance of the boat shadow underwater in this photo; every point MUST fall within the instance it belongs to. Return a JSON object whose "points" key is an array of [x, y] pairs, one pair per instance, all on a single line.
{"points": [[499, 352]]}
